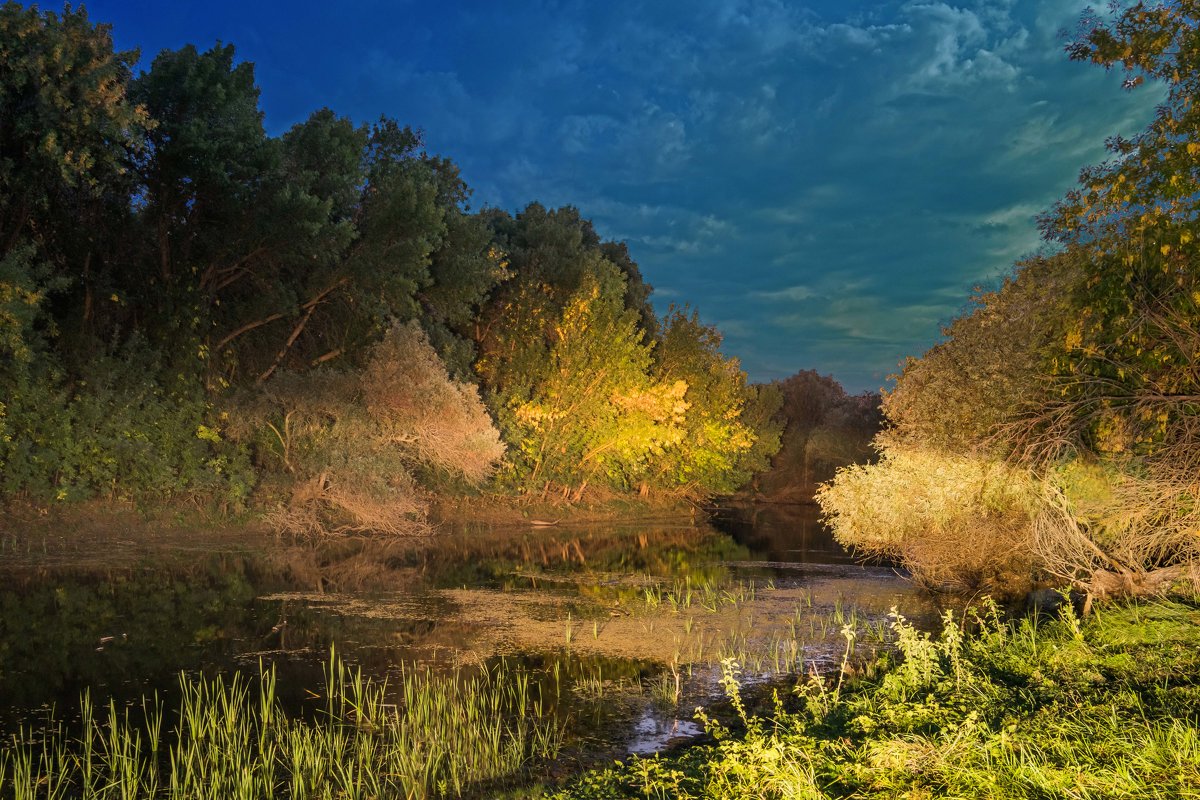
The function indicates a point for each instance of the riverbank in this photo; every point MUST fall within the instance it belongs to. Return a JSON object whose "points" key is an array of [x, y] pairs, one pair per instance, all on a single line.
{"points": [[94, 518], [1109, 707], [523, 510]]}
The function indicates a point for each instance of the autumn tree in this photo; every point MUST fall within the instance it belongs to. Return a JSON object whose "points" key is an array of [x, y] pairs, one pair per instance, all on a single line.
{"points": [[1125, 383], [729, 431], [1075, 383], [591, 388], [591, 411]]}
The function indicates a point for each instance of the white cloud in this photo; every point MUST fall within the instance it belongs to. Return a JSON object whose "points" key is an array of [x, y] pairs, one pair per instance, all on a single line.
{"points": [[958, 47], [792, 294], [1021, 213]]}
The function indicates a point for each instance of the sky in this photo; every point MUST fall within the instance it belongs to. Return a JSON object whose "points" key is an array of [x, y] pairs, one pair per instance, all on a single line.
{"points": [[826, 182]]}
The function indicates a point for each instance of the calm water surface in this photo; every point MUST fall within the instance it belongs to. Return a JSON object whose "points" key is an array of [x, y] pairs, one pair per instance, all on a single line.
{"points": [[623, 625]]}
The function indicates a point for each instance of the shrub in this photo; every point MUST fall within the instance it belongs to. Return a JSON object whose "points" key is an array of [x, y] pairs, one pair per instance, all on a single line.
{"points": [[124, 429], [409, 393], [959, 522], [347, 440]]}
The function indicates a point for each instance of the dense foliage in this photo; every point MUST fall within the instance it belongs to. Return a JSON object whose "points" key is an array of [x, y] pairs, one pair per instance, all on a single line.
{"points": [[189, 305], [1031, 710], [1080, 371]]}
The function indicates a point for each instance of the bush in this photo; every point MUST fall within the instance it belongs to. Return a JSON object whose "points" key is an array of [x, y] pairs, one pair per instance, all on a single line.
{"points": [[1022, 711], [409, 393], [958, 522], [347, 441], [123, 430]]}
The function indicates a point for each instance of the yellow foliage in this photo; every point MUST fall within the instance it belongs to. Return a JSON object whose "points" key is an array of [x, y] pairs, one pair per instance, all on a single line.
{"points": [[661, 403], [953, 520]]}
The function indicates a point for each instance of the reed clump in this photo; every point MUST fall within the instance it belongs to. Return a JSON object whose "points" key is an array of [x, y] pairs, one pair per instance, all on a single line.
{"points": [[428, 736]]}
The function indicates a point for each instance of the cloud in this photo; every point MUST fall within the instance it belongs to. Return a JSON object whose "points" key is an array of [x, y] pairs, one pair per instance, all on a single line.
{"points": [[826, 180], [793, 294]]}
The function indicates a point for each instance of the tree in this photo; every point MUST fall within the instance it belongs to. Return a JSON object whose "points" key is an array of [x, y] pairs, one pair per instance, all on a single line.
{"points": [[719, 448], [204, 168], [68, 135], [1133, 223], [592, 412], [992, 364], [548, 254], [822, 429], [287, 277], [1081, 370]]}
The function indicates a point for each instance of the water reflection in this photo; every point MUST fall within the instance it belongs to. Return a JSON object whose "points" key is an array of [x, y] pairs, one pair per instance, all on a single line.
{"points": [[622, 624]]}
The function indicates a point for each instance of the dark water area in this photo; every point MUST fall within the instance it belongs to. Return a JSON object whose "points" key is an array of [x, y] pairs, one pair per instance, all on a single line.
{"points": [[622, 625]]}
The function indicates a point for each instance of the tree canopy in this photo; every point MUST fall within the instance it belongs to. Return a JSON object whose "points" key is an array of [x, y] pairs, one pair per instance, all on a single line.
{"points": [[183, 296]]}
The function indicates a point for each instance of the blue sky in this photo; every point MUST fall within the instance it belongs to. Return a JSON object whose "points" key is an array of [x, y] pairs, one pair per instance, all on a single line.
{"points": [[824, 181]]}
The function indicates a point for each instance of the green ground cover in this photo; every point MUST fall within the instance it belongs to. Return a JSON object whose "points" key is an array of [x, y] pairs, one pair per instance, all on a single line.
{"points": [[1036, 709]]}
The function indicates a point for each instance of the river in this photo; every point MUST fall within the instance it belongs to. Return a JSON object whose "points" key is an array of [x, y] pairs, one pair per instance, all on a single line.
{"points": [[623, 624]]}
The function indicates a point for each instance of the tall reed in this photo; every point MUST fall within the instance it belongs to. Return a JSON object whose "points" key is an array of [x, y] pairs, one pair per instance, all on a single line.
{"points": [[430, 735]]}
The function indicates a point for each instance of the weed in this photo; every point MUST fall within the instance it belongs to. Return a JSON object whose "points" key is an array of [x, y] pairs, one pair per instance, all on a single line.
{"points": [[1066, 708]]}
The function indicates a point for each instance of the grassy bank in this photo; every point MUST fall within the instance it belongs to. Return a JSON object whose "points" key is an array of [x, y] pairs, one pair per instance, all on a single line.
{"points": [[1049, 709]]}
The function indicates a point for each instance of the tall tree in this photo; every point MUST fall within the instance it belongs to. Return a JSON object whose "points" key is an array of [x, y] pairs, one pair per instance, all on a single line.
{"points": [[1134, 221], [592, 411], [205, 169], [68, 135]]}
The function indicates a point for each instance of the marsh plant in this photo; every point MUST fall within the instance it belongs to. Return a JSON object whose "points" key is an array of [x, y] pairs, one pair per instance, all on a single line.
{"points": [[706, 595], [1100, 708], [428, 736]]}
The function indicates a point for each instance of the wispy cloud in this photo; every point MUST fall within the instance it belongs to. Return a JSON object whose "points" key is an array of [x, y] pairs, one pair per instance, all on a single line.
{"points": [[792, 294], [827, 180]]}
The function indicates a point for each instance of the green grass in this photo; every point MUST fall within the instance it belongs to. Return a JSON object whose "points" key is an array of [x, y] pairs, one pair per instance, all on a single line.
{"points": [[705, 594], [428, 736], [1104, 709]]}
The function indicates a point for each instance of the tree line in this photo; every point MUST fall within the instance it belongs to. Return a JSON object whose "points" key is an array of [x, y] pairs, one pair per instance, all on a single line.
{"points": [[191, 306], [1054, 434]]}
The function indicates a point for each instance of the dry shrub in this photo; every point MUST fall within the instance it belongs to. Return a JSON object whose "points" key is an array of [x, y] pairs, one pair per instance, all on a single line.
{"points": [[1111, 532], [956, 522], [347, 440], [353, 501], [409, 393]]}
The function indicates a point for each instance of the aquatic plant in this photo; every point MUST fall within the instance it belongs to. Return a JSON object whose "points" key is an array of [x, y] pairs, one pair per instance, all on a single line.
{"points": [[428, 736]]}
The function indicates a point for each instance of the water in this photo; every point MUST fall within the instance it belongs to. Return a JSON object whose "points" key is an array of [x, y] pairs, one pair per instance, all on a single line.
{"points": [[622, 625]]}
